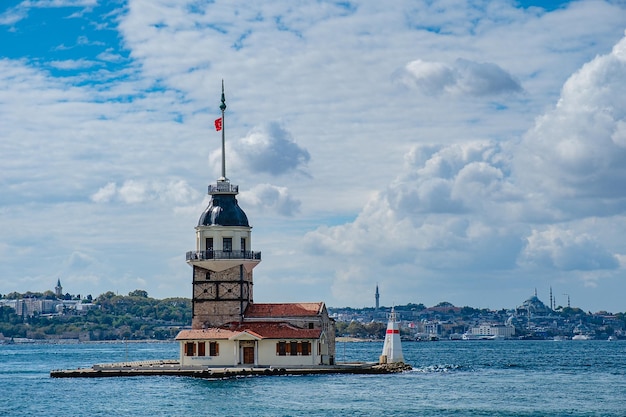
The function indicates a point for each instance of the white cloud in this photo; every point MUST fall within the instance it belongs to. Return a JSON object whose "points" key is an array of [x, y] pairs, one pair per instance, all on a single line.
{"points": [[105, 194], [463, 77], [72, 64], [268, 197], [80, 261], [133, 192], [574, 154], [266, 149], [454, 179], [436, 214], [20, 11], [110, 56], [137, 191], [12, 16], [565, 250]]}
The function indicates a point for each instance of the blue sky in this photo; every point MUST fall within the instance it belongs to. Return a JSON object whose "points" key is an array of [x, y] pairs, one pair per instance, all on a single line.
{"points": [[460, 151]]}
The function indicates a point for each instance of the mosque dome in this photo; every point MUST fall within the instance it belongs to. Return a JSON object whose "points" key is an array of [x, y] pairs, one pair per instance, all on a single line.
{"points": [[223, 210], [535, 305]]}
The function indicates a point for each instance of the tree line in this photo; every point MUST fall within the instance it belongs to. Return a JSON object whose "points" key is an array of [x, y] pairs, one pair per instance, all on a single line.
{"points": [[116, 317]]}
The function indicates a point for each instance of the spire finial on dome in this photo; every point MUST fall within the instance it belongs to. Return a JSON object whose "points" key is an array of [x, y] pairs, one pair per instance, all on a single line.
{"points": [[223, 108], [223, 105]]}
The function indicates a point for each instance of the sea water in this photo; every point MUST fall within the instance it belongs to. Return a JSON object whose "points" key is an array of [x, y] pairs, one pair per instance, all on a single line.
{"points": [[460, 378]]}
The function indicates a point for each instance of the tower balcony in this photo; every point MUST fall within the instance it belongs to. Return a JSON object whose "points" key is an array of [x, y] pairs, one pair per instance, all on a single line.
{"points": [[219, 260], [222, 254], [223, 187]]}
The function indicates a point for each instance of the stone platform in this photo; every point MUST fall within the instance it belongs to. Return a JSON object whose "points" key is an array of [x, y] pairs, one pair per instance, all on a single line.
{"points": [[173, 368]]}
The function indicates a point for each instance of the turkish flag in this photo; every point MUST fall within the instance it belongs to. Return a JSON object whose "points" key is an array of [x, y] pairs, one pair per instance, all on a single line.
{"points": [[218, 124]]}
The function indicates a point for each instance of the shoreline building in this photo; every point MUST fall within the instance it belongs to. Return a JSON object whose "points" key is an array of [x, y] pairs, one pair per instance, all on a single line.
{"points": [[228, 328]]}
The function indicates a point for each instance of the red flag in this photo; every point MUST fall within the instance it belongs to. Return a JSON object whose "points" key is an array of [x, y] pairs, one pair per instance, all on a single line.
{"points": [[218, 124]]}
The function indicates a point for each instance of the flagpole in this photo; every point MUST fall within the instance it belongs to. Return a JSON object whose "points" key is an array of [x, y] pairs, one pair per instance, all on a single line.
{"points": [[223, 108]]}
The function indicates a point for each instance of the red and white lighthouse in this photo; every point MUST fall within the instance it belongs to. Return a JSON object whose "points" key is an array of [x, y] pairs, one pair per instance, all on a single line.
{"points": [[392, 349]]}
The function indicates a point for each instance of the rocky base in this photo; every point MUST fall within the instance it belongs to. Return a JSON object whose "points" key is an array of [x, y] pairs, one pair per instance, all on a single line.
{"points": [[393, 367]]}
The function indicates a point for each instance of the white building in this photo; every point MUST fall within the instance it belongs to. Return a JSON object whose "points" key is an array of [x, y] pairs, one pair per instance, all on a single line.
{"points": [[293, 335], [28, 307], [432, 328], [493, 331]]}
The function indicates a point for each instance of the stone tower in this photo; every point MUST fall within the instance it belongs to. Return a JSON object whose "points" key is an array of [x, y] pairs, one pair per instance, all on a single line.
{"points": [[58, 290], [223, 260]]}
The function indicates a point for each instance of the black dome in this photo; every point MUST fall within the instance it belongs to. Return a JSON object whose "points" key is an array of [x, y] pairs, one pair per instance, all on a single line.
{"points": [[223, 210]]}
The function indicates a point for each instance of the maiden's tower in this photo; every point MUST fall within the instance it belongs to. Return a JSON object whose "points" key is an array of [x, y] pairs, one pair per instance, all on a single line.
{"points": [[228, 328]]}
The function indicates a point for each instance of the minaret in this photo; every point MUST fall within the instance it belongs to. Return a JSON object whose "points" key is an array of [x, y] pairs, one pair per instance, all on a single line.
{"points": [[223, 260], [392, 349], [551, 299], [377, 295], [58, 290]]}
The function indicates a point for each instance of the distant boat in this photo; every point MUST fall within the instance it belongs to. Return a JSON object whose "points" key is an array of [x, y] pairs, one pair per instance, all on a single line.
{"points": [[581, 337], [469, 336], [472, 336], [611, 338], [559, 338]]}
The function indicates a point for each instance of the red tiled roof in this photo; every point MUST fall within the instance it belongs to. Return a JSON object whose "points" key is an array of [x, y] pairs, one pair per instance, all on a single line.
{"points": [[283, 310], [261, 330]]}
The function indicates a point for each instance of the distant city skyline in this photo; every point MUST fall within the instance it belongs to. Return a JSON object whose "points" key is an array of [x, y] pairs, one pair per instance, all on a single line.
{"points": [[461, 152], [376, 305]]}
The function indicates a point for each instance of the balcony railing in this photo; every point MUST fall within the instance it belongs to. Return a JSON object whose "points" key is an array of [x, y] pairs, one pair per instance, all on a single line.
{"points": [[204, 255], [223, 187]]}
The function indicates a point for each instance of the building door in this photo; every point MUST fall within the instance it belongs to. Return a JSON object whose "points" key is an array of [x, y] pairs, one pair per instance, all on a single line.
{"points": [[248, 354]]}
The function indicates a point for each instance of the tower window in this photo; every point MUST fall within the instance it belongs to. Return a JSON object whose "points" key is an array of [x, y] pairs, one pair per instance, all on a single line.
{"points": [[228, 244], [243, 244], [209, 243]]}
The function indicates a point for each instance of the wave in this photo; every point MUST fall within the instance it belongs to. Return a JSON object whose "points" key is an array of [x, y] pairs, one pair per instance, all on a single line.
{"points": [[438, 369]]}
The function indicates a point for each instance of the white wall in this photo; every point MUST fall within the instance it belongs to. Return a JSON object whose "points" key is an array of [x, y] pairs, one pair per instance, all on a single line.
{"points": [[231, 354]]}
